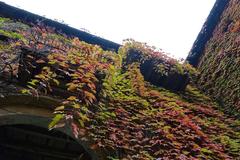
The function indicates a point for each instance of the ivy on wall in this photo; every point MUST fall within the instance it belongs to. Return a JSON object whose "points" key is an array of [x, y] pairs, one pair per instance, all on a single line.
{"points": [[219, 66], [108, 103]]}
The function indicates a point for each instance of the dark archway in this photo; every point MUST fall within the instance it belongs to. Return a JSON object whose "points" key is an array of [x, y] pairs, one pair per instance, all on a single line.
{"points": [[24, 116], [30, 142]]}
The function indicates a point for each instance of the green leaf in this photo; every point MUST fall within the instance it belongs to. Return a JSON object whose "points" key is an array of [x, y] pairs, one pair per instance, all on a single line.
{"points": [[55, 120], [25, 91], [205, 150], [33, 82]]}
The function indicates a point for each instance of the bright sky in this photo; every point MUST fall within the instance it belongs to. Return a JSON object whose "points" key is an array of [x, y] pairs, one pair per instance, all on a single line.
{"points": [[171, 25]]}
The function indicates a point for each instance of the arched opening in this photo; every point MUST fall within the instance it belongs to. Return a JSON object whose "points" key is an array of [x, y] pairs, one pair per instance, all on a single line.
{"points": [[29, 142], [24, 133]]}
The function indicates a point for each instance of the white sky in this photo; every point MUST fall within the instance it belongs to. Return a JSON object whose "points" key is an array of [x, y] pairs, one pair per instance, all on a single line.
{"points": [[171, 25]]}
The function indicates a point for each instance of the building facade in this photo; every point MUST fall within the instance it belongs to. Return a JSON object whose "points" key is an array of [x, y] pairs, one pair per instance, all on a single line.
{"points": [[216, 54]]}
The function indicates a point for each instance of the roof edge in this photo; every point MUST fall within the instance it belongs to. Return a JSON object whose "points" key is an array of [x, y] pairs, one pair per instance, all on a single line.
{"points": [[206, 32], [14, 13]]}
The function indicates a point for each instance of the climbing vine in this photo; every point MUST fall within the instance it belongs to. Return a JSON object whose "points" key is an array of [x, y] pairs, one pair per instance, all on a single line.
{"points": [[219, 66], [107, 101]]}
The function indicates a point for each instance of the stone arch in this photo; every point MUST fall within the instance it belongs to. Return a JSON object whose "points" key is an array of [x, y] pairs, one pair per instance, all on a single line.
{"points": [[23, 110]]}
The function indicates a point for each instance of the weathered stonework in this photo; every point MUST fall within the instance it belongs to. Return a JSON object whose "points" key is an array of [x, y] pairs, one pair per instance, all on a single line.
{"points": [[20, 109]]}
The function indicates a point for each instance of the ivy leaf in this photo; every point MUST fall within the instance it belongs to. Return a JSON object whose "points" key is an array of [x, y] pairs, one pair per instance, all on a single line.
{"points": [[94, 146], [56, 82], [72, 86], [72, 98], [40, 61], [25, 91], [206, 151], [33, 82], [60, 108], [81, 123], [77, 106], [75, 129], [55, 120]]}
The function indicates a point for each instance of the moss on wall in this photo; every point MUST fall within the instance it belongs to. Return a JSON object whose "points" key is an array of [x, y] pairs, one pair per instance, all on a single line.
{"points": [[220, 64]]}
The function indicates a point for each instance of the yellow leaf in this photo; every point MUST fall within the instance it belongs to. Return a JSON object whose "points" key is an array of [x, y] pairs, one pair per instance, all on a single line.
{"points": [[77, 106], [46, 69], [60, 108], [72, 98], [52, 62], [40, 76], [81, 123], [25, 91], [89, 95], [55, 120], [56, 81], [72, 87]]}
